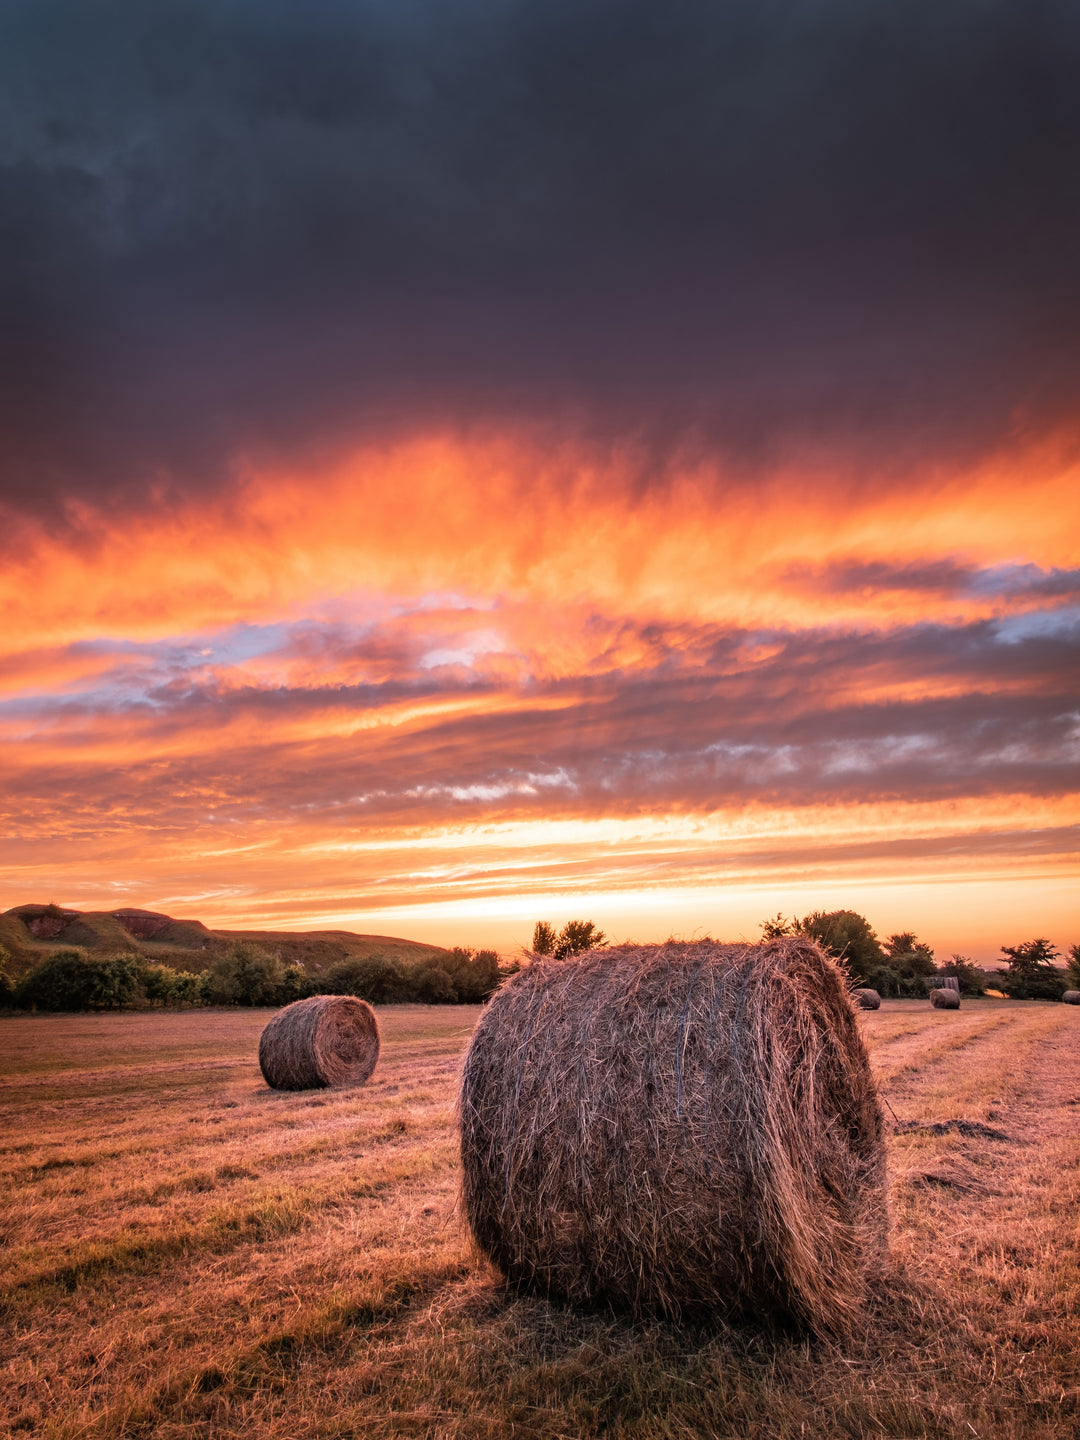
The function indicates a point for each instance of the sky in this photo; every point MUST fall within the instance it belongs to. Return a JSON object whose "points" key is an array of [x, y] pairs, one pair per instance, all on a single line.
{"points": [[474, 461]]}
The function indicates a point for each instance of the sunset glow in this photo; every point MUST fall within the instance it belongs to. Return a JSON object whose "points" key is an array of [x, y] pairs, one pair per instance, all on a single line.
{"points": [[587, 562]]}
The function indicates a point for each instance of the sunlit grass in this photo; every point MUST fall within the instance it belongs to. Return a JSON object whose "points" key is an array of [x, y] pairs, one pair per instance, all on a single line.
{"points": [[189, 1254]]}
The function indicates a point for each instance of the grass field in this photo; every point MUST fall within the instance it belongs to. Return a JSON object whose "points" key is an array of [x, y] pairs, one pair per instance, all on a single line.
{"points": [[189, 1254]]}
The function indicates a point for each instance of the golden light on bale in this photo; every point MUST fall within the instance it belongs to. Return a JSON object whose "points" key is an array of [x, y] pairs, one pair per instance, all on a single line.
{"points": [[329, 1040], [867, 999], [1071, 997], [678, 1129], [943, 998]]}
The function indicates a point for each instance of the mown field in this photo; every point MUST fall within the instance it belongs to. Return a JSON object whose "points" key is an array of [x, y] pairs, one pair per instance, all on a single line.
{"points": [[189, 1254]]}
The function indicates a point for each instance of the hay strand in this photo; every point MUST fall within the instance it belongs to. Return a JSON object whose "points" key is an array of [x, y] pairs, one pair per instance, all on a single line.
{"points": [[945, 998], [678, 1129], [329, 1040], [1071, 997], [867, 999]]}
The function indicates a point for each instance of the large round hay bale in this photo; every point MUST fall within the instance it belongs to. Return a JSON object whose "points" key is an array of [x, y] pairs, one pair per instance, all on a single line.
{"points": [[867, 999], [944, 999], [1071, 997], [677, 1129], [329, 1040]]}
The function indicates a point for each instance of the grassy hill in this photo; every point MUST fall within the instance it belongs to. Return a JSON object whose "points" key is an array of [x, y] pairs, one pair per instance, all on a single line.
{"points": [[31, 932]]}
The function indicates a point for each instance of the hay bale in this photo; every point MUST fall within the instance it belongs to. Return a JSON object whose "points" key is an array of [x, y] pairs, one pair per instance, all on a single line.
{"points": [[1071, 997], [678, 1129], [329, 1040], [867, 999], [945, 998]]}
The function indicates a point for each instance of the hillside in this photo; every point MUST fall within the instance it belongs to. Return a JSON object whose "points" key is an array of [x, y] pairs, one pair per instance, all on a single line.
{"points": [[30, 932]]}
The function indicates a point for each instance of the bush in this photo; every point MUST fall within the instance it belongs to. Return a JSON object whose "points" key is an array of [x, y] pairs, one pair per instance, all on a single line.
{"points": [[1031, 973], [374, 978], [886, 981], [1074, 967], [67, 980], [185, 988], [972, 980], [433, 986], [7, 985], [245, 974], [475, 973]]}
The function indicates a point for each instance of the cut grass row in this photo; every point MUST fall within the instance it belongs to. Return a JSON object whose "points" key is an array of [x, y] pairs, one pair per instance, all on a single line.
{"points": [[350, 1303]]}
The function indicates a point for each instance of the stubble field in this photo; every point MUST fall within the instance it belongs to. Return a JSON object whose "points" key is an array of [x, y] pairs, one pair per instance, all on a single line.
{"points": [[187, 1253]]}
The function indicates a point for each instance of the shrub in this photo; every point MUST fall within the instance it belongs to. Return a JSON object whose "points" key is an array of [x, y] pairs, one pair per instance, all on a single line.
{"points": [[7, 985], [434, 986], [972, 979], [1031, 973], [912, 961], [375, 978], [475, 973], [117, 982], [185, 988], [1074, 966], [67, 980], [245, 974]]}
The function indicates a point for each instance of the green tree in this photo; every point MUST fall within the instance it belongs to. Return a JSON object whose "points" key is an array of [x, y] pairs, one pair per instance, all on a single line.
{"points": [[185, 988], [1031, 972], [475, 973], [157, 983], [972, 979], [66, 980], [848, 936], [911, 961], [375, 978], [245, 974], [544, 938], [777, 927], [1074, 967], [576, 937], [435, 986], [118, 981]]}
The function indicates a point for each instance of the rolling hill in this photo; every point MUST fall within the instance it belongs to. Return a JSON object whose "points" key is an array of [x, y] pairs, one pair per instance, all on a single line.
{"points": [[31, 932]]}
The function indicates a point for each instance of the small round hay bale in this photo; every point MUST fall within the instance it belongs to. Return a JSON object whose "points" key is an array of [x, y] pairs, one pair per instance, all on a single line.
{"points": [[678, 1129], [943, 998], [867, 999], [329, 1040], [1071, 997]]}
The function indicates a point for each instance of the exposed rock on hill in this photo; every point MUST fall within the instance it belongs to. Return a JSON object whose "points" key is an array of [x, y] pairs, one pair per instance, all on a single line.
{"points": [[30, 932]]}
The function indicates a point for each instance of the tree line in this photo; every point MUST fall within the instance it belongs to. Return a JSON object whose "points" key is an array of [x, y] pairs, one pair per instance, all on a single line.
{"points": [[903, 965], [246, 974]]}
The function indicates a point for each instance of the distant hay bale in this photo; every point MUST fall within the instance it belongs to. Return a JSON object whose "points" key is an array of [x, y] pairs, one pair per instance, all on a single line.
{"points": [[329, 1040], [678, 1129], [1071, 997], [867, 999], [944, 998]]}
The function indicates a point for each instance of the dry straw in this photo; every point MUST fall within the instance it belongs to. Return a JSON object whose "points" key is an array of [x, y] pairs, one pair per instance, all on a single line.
{"points": [[867, 999], [944, 998], [1071, 997], [327, 1040], [679, 1129]]}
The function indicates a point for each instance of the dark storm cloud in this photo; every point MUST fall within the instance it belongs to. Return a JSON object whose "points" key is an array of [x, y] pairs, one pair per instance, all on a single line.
{"points": [[251, 225]]}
